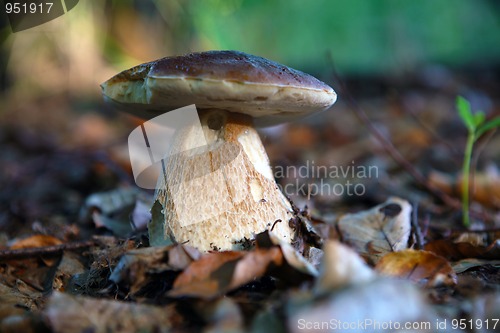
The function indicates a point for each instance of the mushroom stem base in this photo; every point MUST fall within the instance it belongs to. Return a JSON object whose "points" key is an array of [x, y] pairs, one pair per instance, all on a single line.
{"points": [[218, 196]]}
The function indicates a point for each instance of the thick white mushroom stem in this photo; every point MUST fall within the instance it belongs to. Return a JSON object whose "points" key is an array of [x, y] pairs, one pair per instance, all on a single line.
{"points": [[217, 195]]}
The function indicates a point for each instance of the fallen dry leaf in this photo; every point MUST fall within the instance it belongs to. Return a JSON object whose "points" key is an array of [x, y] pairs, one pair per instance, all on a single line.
{"points": [[487, 309], [455, 251], [208, 276], [254, 264], [38, 271], [466, 264], [485, 190], [135, 267], [69, 266], [115, 210], [35, 241], [75, 314], [224, 317], [382, 229], [18, 303], [418, 266], [20, 296], [298, 263], [216, 273], [476, 239], [361, 308], [340, 267], [219, 272], [315, 256]]}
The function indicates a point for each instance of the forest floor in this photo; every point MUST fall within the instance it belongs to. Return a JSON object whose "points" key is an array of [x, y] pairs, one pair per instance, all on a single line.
{"points": [[75, 256]]}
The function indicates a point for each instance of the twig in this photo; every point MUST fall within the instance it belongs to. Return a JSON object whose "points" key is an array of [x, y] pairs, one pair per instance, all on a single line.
{"points": [[427, 222], [416, 227], [44, 250]]}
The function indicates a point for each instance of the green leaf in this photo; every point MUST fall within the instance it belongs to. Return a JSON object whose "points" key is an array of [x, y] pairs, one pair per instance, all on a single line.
{"points": [[494, 123], [479, 118], [464, 111]]}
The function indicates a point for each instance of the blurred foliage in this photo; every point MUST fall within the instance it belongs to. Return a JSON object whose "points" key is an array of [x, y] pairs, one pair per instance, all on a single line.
{"points": [[363, 36], [386, 37]]}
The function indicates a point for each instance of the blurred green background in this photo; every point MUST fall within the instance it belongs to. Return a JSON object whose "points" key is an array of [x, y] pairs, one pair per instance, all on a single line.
{"points": [[96, 39]]}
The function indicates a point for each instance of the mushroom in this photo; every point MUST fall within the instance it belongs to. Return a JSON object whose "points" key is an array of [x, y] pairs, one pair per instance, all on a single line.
{"points": [[220, 195]]}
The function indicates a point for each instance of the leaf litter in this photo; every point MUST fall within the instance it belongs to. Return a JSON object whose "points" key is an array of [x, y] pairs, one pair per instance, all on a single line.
{"points": [[351, 261], [223, 291]]}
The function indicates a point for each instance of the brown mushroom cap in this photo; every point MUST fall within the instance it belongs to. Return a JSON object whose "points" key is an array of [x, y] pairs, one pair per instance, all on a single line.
{"points": [[229, 80]]}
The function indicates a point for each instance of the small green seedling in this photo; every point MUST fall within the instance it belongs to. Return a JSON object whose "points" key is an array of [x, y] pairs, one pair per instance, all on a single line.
{"points": [[476, 127]]}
